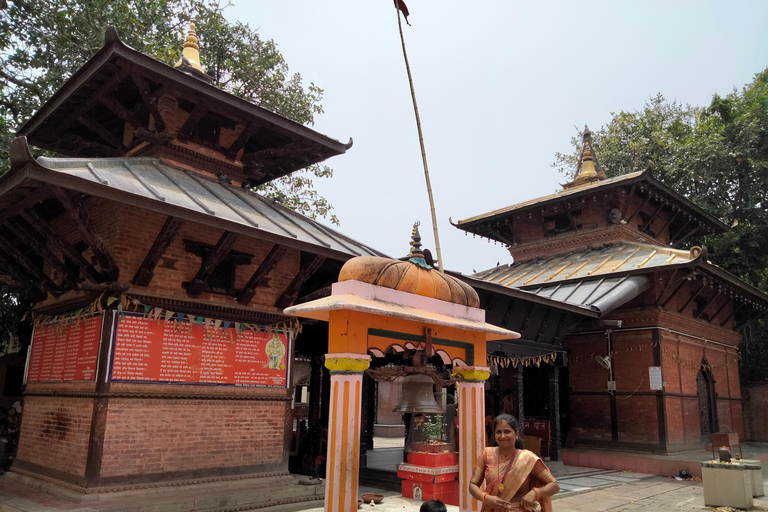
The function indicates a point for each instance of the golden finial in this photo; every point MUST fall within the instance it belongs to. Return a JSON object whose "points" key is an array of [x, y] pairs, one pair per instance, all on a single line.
{"points": [[587, 170], [190, 55], [191, 41]]}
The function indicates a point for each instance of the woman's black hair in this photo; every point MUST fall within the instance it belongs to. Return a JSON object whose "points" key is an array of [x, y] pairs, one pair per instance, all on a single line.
{"points": [[512, 422]]}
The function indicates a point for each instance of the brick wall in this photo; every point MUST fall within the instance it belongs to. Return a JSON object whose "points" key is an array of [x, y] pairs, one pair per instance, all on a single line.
{"points": [[637, 419], [55, 433], [591, 417], [756, 412], [159, 436], [681, 355]]}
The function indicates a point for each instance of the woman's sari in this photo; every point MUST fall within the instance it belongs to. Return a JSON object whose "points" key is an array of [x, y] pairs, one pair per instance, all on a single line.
{"points": [[511, 479]]}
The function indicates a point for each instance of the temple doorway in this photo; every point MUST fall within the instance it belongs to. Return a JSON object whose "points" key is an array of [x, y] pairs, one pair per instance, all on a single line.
{"points": [[705, 389]]}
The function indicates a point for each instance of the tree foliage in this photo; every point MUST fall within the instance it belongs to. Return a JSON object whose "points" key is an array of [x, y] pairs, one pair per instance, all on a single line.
{"points": [[43, 42], [716, 156]]}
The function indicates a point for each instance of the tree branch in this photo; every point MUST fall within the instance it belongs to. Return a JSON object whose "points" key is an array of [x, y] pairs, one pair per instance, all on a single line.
{"points": [[21, 83]]}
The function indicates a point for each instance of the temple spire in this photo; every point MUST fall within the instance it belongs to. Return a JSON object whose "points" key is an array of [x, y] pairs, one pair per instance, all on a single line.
{"points": [[190, 56], [589, 170]]}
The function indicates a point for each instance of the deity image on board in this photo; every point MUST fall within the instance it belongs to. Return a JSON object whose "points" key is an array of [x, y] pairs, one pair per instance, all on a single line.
{"points": [[275, 351]]}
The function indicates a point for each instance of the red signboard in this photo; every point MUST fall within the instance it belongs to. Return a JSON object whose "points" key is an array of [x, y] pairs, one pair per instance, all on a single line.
{"points": [[156, 350], [65, 352]]}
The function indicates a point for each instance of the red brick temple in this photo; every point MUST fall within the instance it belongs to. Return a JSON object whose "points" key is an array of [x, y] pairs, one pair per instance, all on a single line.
{"points": [[649, 350], [160, 351]]}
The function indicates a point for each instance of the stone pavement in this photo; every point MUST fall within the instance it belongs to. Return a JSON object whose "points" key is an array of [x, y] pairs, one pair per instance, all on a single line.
{"points": [[583, 490], [589, 490]]}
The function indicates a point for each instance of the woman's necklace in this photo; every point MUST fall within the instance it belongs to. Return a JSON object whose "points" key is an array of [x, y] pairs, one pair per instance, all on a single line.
{"points": [[511, 459]]}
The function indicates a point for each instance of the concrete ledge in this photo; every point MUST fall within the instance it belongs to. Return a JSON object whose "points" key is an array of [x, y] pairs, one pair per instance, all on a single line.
{"points": [[389, 430]]}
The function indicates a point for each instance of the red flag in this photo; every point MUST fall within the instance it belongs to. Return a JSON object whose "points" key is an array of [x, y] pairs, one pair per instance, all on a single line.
{"points": [[403, 8]]}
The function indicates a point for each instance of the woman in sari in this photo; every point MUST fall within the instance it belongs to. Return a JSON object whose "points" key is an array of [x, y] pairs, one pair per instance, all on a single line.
{"points": [[515, 479]]}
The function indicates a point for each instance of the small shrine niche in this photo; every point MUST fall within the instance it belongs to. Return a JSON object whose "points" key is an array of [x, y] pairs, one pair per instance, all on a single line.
{"points": [[433, 432]]}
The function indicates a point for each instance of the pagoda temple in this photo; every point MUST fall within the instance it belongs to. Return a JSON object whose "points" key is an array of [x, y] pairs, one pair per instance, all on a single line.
{"points": [[161, 353], [654, 367]]}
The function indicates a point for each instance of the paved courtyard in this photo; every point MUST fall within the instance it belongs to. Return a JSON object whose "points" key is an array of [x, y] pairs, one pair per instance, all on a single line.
{"points": [[599, 492]]}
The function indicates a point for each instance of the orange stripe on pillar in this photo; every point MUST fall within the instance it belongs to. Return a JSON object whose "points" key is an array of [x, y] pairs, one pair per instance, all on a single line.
{"points": [[331, 458], [356, 440], [473, 439], [464, 448], [344, 471]]}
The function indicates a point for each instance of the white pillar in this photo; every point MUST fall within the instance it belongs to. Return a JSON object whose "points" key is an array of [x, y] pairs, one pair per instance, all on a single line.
{"points": [[343, 459], [471, 401]]}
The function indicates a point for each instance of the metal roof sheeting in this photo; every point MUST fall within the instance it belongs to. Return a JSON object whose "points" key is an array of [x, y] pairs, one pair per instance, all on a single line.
{"points": [[155, 180], [581, 265], [585, 278], [603, 295]]}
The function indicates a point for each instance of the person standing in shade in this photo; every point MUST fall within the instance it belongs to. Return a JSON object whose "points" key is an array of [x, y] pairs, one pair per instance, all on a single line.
{"points": [[515, 479]]}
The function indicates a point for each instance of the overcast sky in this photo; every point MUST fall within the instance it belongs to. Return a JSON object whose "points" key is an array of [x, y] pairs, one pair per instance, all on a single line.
{"points": [[501, 87]]}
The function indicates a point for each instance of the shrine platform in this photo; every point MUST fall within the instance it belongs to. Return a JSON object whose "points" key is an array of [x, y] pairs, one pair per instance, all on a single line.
{"points": [[654, 463], [276, 493]]}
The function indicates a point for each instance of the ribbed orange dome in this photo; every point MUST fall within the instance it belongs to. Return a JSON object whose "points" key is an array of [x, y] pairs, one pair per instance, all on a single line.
{"points": [[412, 276]]}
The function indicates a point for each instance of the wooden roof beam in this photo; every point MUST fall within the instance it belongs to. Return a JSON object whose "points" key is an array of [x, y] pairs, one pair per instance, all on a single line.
{"points": [[107, 86], [292, 290], [242, 139], [120, 111], [149, 101], [647, 199], [185, 132], [273, 258], [91, 145], [629, 199], [683, 282], [10, 249], [209, 264], [670, 220], [653, 216], [74, 207], [164, 239], [732, 314], [693, 297], [498, 235], [10, 267], [687, 236], [61, 243], [41, 247], [727, 301], [666, 287], [709, 302], [102, 132]]}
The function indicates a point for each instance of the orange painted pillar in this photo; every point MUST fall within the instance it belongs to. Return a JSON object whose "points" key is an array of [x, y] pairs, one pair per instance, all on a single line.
{"points": [[342, 465], [471, 400]]}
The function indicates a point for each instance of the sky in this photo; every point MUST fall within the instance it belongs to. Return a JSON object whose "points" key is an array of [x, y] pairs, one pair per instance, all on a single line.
{"points": [[501, 87]]}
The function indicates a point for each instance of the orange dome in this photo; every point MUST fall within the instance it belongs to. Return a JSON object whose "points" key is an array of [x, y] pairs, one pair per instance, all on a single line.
{"points": [[412, 276]]}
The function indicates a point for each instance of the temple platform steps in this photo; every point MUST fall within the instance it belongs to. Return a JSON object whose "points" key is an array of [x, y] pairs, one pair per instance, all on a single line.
{"points": [[274, 493]]}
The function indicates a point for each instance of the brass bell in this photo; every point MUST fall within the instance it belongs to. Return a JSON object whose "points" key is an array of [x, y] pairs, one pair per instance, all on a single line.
{"points": [[418, 395]]}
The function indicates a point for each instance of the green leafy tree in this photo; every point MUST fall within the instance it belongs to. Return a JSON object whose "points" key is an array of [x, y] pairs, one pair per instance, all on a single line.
{"points": [[716, 156], [43, 42]]}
